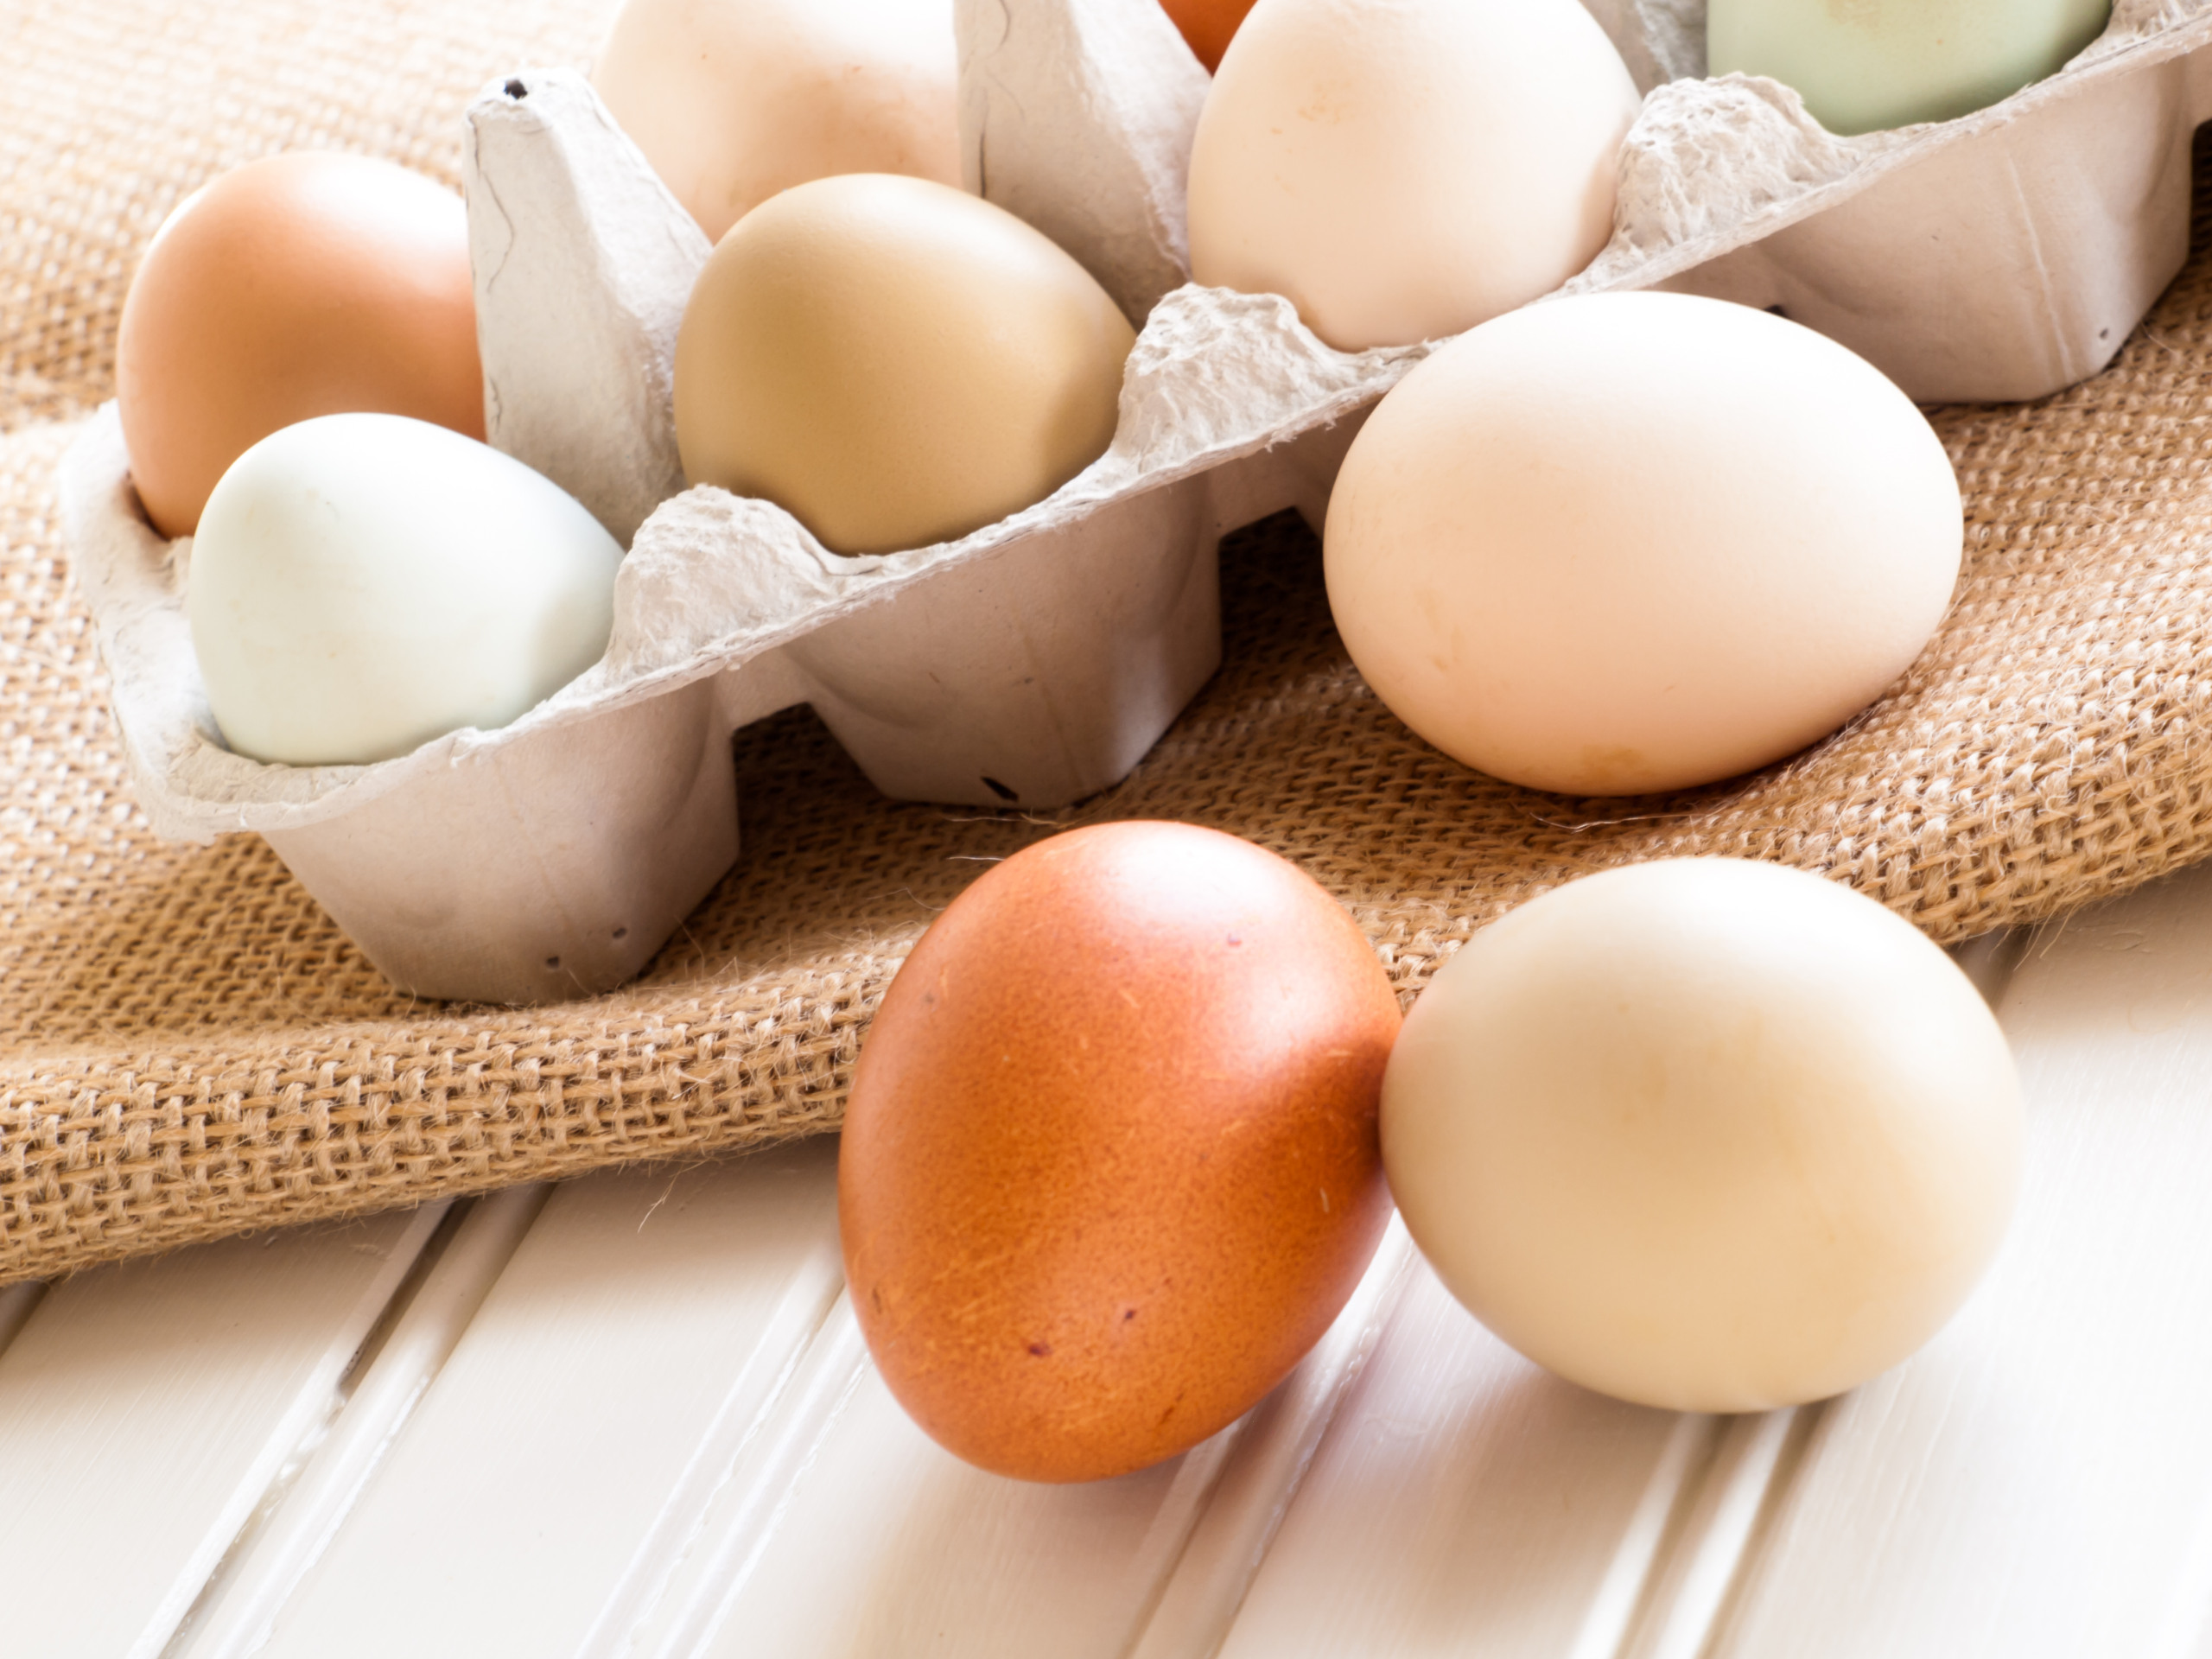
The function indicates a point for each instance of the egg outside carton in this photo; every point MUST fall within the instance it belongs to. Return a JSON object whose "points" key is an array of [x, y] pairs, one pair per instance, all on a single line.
{"points": [[2003, 255]]}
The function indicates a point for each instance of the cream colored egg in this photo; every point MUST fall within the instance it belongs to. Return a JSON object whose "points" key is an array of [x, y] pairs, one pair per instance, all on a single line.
{"points": [[1706, 1134], [363, 583], [1637, 542], [1403, 169], [894, 363], [734, 100]]}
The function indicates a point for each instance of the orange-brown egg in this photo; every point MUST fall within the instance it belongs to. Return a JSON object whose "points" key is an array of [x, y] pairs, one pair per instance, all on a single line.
{"points": [[1207, 25], [1110, 1164], [294, 286]]}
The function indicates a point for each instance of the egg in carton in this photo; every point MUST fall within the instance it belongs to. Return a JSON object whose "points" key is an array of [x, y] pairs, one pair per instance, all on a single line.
{"points": [[1996, 257], [1032, 663]]}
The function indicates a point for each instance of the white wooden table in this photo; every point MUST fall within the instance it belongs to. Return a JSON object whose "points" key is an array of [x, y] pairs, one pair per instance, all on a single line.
{"points": [[632, 1416]]}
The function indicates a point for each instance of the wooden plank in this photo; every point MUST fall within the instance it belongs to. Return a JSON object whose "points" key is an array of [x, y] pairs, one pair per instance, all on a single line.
{"points": [[1464, 1501], [1266, 1464], [236, 1612], [16, 1302], [145, 1410], [1690, 1582], [873, 1540], [847, 1531], [2038, 1481], [552, 1473], [658, 1436]]}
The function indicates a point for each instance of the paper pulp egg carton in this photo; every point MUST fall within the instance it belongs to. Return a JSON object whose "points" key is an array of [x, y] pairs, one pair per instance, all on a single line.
{"points": [[1032, 664], [1996, 257]]}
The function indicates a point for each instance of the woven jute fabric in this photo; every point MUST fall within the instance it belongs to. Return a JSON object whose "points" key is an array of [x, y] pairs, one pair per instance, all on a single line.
{"points": [[189, 1048]]}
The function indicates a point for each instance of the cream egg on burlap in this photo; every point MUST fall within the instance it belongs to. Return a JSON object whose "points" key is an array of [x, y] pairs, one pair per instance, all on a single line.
{"points": [[1627, 542]]}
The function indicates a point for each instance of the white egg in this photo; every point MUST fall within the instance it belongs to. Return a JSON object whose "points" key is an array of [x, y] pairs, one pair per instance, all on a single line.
{"points": [[363, 583], [1403, 169], [1703, 1134], [735, 100], [1626, 542]]}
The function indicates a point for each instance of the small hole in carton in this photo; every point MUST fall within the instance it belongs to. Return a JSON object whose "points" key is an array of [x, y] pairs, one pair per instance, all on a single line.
{"points": [[1776, 311], [621, 932], [999, 790], [552, 962], [516, 90]]}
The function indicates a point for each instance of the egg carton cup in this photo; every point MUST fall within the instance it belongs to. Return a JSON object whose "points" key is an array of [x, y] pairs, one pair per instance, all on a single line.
{"points": [[1998, 257], [1032, 664]]}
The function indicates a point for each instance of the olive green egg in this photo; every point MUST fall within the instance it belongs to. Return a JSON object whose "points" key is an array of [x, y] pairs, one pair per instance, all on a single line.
{"points": [[894, 362]]}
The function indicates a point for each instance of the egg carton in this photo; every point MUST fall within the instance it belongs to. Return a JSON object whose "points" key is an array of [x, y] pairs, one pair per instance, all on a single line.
{"points": [[1993, 259], [1029, 664], [1033, 663], [1997, 258]]}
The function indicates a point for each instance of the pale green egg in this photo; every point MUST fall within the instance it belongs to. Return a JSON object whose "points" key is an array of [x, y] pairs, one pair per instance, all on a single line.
{"points": [[1862, 66], [363, 583]]}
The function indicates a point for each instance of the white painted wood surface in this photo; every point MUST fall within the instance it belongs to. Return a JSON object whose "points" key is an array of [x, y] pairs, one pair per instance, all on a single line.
{"points": [[1489, 1501], [633, 1417], [647, 1318], [148, 1411], [266, 1570]]}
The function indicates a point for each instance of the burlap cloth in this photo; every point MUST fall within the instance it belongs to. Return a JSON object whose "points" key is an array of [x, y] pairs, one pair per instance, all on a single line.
{"points": [[189, 1048]]}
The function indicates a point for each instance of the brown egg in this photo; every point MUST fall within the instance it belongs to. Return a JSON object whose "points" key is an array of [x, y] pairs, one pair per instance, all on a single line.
{"points": [[1207, 25], [894, 362], [294, 286], [1110, 1165]]}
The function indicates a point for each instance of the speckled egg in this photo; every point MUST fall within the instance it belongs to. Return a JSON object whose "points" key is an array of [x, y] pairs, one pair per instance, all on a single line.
{"points": [[1110, 1165]]}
